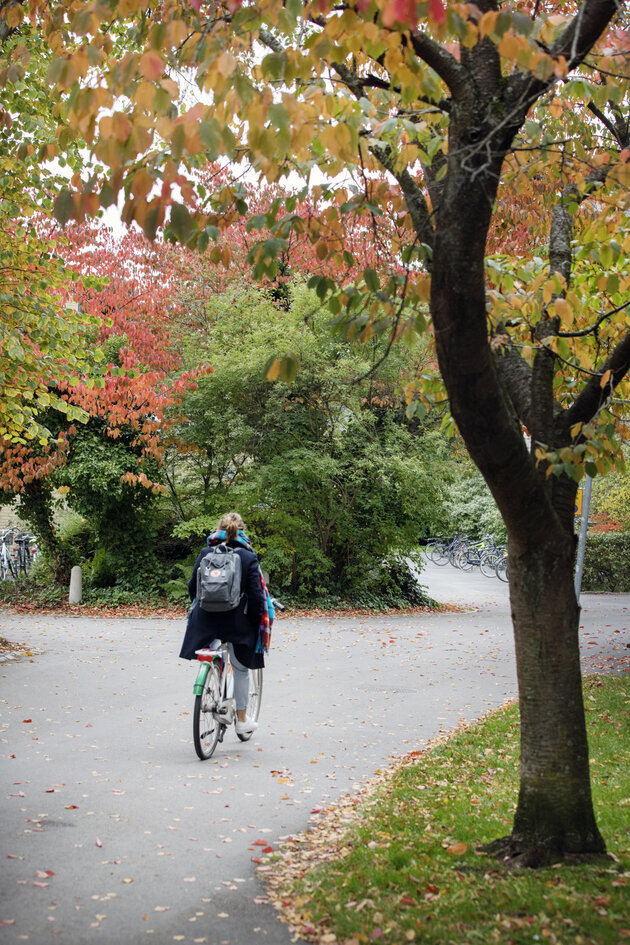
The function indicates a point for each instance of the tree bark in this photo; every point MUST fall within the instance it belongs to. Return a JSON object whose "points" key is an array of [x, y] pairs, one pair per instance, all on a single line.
{"points": [[554, 814], [555, 811]]}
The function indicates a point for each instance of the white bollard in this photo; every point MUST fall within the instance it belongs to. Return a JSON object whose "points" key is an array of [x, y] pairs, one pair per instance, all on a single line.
{"points": [[76, 585]]}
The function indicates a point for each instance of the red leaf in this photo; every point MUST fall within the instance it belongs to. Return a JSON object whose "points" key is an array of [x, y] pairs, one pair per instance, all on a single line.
{"points": [[437, 11]]}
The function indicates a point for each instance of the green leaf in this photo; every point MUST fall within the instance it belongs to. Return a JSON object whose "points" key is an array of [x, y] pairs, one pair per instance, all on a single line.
{"points": [[64, 207], [371, 280], [181, 222]]}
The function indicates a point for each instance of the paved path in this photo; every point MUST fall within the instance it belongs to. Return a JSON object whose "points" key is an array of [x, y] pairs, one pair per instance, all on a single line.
{"points": [[113, 832]]}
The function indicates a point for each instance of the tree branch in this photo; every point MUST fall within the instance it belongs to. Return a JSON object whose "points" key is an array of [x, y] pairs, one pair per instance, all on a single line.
{"points": [[412, 192], [593, 396], [441, 61], [592, 328], [574, 44]]}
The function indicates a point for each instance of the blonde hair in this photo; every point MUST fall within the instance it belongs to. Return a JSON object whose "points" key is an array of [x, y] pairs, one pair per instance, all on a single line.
{"points": [[230, 524]]}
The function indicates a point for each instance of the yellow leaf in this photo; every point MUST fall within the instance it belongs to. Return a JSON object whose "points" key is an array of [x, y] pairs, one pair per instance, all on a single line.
{"points": [[510, 46], [487, 23], [274, 371], [555, 109], [225, 64], [144, 95], [562, 308], [605, 378]]}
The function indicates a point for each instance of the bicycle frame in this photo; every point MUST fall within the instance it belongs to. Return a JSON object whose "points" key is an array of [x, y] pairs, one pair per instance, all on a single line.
{"points": [[221, 658]]}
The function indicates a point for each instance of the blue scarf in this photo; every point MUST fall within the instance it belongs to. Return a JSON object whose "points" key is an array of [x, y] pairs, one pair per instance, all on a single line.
{"points": [[220, 535]]}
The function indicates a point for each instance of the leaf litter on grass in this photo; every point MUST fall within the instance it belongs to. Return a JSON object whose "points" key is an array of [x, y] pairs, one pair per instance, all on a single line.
{"points": [[399, 860]]}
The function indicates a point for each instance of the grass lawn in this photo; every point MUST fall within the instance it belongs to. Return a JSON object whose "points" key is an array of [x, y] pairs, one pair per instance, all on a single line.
{"points": [[399, 863]]}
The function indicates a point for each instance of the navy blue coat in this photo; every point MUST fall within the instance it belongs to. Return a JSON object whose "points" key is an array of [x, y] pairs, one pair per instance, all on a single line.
{"points": [[239, 626]]}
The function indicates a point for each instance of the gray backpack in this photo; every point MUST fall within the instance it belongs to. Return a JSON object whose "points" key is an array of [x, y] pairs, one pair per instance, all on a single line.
{"points": [[219, 580]]}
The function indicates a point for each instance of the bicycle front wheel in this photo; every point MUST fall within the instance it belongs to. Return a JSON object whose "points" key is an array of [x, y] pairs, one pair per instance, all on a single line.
{"points": [[206, 729], [255, 698], [8, 569]]}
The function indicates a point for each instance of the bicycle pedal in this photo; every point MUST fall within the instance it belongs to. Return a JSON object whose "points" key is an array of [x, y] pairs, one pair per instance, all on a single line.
{"points": [[221, 733]]}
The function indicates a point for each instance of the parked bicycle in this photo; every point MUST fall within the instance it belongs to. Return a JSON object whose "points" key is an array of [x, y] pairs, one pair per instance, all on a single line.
{"points": [[471, 553], [446, 551], [7, 567], [23, 553], [503, 568], [215, 707]]}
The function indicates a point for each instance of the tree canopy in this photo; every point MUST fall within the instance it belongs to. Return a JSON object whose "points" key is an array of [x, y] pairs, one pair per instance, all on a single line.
{"points": [[496, 137]]}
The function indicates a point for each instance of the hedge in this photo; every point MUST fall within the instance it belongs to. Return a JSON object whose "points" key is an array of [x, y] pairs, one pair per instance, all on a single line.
{"points": [[607, 562]]}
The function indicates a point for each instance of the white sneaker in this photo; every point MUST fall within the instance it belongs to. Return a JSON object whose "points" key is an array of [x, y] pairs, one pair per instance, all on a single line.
{"points": [[246, 727]]}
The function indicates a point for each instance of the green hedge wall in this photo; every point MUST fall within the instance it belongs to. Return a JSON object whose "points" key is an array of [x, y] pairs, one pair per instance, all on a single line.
{"points": [[607, 562]]}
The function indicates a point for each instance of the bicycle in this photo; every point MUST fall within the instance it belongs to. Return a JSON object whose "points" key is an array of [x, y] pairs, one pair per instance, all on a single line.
{"points": [[490, 559], [470, 554], [215, 707], [503, 568], [444, 552], [23, 556], [7, 568]]}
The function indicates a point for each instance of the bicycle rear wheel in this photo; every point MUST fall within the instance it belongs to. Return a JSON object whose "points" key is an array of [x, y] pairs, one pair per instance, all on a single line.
{"points": [[255, 698], [439, 554], [463, 560], [488, 563], [206, 729], [503, 569]]}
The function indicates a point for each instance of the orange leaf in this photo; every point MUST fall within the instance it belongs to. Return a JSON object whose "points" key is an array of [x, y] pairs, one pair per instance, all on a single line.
{"points": [[151, 65], [457, 848]]}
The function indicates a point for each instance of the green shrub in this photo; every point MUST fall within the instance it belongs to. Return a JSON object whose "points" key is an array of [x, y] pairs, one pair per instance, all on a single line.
{"points": [[472, 510], [38, 587], [103, 571], [175, 589], [607, 562], [77, 537], [393, 581]]}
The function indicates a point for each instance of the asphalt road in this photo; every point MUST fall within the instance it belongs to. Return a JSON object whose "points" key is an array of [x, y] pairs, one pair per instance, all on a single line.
{"points": [[113, 832]]}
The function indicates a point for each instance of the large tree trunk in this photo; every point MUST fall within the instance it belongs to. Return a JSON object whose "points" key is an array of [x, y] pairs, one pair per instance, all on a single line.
{"points": [[555, 811]]}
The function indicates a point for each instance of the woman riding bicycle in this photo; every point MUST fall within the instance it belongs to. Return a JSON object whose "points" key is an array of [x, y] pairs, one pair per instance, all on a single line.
{"points": [[238, 628]]}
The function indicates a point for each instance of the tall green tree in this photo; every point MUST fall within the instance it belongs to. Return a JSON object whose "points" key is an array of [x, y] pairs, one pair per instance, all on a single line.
{"points": [[326, 469]]}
